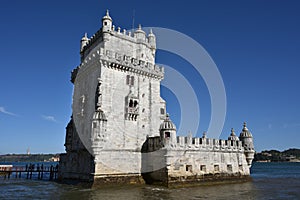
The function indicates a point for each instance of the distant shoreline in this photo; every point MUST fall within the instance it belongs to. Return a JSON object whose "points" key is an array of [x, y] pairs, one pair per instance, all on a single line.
{"points": [[290, 155], [29, 158]]}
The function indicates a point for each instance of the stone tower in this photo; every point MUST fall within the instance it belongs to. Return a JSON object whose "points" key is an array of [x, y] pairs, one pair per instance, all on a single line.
{"points": [[116, 104], [247, 139]]}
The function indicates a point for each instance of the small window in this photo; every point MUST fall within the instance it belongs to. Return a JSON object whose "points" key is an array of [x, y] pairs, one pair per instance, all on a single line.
{"points": [[135, 104], [94, 124], [167, 134], [229, 168], [143, 126], [203, 168], [216, 168], [105, 23], [143, 95], [143, 110], [127, 79], [162, 111], [132, 80], [130, 103], [188, 168]]}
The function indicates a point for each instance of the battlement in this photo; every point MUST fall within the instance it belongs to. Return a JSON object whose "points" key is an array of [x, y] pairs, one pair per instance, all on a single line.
{"points": [[190, 143], [138, 37]]}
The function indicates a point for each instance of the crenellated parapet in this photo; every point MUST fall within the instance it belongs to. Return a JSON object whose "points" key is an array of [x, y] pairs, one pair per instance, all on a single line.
{"points": [[170, 141], [109, 30], [116, 60], [206, 144]]}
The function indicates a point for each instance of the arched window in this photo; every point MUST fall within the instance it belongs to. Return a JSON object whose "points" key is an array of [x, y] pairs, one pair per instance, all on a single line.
{"points": [[130, 103], [135, 103]]}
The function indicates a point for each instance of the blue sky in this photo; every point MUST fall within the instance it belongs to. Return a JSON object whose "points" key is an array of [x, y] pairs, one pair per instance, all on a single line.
{"points": [[255, 45]]}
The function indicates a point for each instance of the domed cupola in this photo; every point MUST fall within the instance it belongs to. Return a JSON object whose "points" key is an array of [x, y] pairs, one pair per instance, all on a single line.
{"points": [[245, 132], [140, 34], [233, 136], [167, 124], [168, 132]]}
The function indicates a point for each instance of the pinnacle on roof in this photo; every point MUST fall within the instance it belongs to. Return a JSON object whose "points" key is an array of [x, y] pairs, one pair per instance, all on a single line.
{"points": [[232, 135], [107, 16], [245, 127], [232, 132], [151, 33], [204, 134], [245, 132], [167, 124]]}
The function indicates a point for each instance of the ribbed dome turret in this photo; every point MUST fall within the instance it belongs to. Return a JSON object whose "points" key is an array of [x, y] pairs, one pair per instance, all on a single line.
{"points": [[245, 132], [99, 115], [233, 136], [140, 30], [107, 17], [167, 124]]}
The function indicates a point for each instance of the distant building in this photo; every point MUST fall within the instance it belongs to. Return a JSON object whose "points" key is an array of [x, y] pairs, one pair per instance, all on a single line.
{"points": [[125, 134]]}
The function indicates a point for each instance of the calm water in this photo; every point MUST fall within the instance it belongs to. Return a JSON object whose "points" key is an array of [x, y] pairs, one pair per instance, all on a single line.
{"points": [[270, 181]]}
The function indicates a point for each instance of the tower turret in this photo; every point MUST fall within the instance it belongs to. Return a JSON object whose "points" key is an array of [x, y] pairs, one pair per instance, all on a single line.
{"points": [[247, 139], [233, 136], [167, 132], [152, 41], [140, 34], [83, 42], [106, 22]]}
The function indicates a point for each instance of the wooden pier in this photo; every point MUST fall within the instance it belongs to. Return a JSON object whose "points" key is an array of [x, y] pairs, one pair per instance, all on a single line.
{"points": [[29, 171]]}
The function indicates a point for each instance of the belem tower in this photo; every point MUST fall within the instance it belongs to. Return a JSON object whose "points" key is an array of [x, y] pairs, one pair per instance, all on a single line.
{"points": [[119, 131]]}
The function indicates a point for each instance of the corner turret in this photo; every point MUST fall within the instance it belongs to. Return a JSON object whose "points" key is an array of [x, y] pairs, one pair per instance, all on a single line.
{"points": [[140, 34], [168, 132], [106, 22], [152, 41], [83, 42], [247, 139]]}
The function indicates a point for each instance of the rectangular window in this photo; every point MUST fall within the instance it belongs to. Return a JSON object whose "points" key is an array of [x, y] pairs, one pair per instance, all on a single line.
{"points": [[94, 125], [167, 134], [132, 80], [162, 111], [188, 168], [216, 168], [203, 168], [229, 168], [127, 80]]}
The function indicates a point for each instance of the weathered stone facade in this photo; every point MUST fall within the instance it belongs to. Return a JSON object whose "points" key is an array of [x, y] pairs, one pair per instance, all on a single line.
{"points": [[119, 131]]}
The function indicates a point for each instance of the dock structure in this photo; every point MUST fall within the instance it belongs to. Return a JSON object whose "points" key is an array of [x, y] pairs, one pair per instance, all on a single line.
{"points": [[29, 171]]}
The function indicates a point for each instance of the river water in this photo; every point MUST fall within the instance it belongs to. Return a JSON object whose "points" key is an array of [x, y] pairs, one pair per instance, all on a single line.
{"points": [[269, 181]]}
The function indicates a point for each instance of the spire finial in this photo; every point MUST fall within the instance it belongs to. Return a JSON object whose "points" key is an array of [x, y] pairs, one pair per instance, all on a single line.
{"points": [[151, 32], [140, 27], [245, 127], [204, 134], [167, 116], [107, 12], [232, 132]]}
